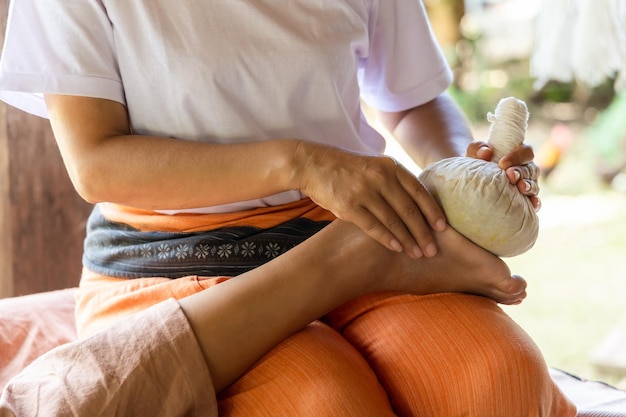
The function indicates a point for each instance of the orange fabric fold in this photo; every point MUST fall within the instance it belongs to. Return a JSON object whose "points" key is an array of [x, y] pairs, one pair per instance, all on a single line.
{"points": [[263, 217], [103, 301], [450, 355], [384, 354], [443, 355]]}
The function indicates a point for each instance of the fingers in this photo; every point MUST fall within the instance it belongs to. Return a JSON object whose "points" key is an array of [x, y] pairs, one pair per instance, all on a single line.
{"points": [[518, 165], [525, 178], [523, 172], [529, 171], [528, 187], [377, 229], [479, 150], [426, 205], [531, 190], [382, 223], [536, 202], [419, 212], [520, 156], [380, 196], [402, 216]]}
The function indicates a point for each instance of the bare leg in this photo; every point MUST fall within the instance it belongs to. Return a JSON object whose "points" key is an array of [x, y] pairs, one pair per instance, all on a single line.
{"points": [[240, 320]]}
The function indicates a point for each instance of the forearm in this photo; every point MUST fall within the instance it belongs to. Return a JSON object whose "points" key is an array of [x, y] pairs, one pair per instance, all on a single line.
{"points": [[163, 173], [107, 163], [431, 132]]}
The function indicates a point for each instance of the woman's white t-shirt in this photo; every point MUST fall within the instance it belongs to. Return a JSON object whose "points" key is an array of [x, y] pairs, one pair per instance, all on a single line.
{"points": [[228, 71]]}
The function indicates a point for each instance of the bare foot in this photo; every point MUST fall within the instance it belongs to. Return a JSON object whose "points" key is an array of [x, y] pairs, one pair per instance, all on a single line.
{"points": [[459, 266]]}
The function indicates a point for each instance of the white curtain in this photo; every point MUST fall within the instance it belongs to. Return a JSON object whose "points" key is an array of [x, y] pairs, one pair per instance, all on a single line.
{"points": [[580, 39]]}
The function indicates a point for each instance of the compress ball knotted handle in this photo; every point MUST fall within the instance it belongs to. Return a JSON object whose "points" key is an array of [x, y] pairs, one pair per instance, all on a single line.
{"points": [[508, 126], [476, 195]]}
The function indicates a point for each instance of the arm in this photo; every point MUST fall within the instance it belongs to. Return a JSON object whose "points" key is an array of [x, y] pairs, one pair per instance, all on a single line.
{"points": [[430, 132], [107, 163], [438, 130]]}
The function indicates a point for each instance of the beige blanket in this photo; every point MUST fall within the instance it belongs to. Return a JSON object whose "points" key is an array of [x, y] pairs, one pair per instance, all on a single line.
{"points": [[161, 373]]}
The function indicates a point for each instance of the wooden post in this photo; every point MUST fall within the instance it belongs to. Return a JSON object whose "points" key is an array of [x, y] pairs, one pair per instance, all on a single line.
{"points": [[6, 247], [445, 17], [42, 218]]}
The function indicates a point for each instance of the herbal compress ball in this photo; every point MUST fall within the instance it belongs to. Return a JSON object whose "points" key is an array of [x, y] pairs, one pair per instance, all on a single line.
{"points": [[476, 195]]}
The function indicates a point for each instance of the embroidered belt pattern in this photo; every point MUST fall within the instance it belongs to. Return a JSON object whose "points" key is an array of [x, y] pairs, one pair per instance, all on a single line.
{"points": [[119, 250]]}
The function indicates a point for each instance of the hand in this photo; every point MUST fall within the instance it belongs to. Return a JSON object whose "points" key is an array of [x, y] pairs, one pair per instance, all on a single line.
{"points": [[376, 193], [518, 165]]}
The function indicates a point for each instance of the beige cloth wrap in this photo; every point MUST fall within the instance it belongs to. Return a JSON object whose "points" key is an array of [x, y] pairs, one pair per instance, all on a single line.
{"points": [[148, 365], [476, 196], [482, 205]]}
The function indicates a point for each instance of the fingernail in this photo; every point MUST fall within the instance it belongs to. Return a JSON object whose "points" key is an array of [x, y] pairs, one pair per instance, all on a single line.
{"points": [[527, 185], [440, 225], [395, 245], [431, 250], [517, 175], [417, 252], [538, 206], [483, 150]]}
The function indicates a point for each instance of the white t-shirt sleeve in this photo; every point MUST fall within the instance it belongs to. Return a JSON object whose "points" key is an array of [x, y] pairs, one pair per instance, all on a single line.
{"points": [[405, 66], [58, 47]]}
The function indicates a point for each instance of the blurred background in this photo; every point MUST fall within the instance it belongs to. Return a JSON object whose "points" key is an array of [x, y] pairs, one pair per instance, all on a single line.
{"points": [[560, 61], [576, 308]]}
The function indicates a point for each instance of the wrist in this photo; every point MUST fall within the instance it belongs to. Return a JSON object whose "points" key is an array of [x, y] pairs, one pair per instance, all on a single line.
{"points": [[300, 164], [284, 165]]}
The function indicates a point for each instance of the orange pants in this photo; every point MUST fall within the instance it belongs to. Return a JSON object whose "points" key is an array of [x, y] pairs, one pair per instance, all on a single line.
{"points": [[380, 355]]}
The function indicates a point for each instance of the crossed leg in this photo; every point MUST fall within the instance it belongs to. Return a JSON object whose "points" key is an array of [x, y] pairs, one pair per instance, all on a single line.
{"points": [[443, 355], [239, 321], [450, 355], [332, 267]]}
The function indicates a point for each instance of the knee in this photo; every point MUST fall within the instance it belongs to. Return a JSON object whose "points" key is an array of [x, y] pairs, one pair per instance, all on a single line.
{"points": [[313, 373], [506, 377], [451, 355]]}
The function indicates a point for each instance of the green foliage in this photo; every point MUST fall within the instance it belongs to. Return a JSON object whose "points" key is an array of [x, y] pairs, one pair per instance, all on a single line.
{"points": [[556, 92], [477, 103]]}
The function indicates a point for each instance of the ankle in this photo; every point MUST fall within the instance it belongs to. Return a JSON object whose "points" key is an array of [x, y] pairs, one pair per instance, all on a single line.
{"points": [[356, 260]]}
